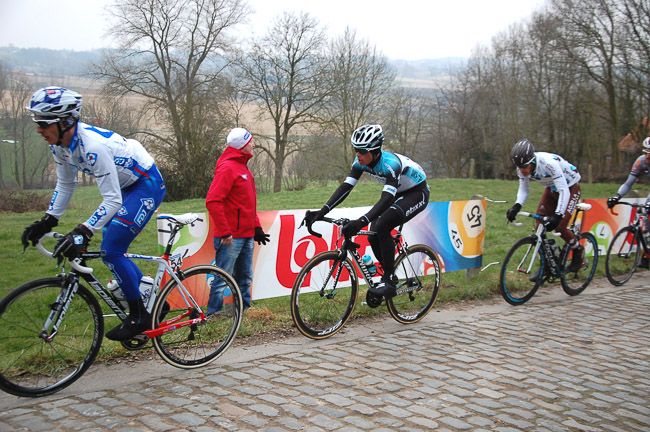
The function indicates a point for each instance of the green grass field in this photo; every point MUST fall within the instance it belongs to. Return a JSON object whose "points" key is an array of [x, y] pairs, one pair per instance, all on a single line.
{"points": [[273, 314]]}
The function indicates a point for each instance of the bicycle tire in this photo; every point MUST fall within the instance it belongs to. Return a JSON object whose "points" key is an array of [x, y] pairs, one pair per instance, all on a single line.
{"points": [[320, 307], [576, 282], [514, 280], [29, 365], [623, 256], [418, 273], [198, 344]]}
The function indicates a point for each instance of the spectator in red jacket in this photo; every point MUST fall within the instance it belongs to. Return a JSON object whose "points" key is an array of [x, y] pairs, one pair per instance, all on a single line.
{"points": [[232, 204]]}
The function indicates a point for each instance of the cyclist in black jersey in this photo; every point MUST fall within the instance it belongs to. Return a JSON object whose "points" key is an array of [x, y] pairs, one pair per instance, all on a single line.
{"points": [[405, 194]]}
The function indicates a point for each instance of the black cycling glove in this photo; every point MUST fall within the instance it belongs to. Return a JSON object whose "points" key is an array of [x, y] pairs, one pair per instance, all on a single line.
{"points": [[612, 201], [72, 244], [512, 212], [313, 216], [553, 221], [354, 226], [38, 229]]}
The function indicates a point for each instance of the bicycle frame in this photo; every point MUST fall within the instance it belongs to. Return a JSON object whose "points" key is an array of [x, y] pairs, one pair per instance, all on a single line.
{"points": [[639, 219]]}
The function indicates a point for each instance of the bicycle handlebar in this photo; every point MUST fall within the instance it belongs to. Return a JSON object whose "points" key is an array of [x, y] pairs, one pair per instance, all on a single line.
{"points": [[630, 204], [75, 264], [542, 218]]}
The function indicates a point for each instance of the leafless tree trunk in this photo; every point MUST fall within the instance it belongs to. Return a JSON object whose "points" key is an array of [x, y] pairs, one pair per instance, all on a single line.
{"points": [[283, 74]]}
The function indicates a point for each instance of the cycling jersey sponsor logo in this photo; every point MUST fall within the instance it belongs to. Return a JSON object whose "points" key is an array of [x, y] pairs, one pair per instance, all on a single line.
{"points": [[146, 208], [91, 158], [97, 216], [54, 195], [122, 211], [125, 162]]}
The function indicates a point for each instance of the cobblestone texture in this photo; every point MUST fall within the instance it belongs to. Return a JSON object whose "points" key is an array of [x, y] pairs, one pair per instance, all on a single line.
{"points": [[571, 364]]}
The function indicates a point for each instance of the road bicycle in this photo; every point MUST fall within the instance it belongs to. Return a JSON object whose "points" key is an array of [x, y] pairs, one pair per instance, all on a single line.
{"points": [[536, 259], [51, 329], [627, 248], [325, 291]]}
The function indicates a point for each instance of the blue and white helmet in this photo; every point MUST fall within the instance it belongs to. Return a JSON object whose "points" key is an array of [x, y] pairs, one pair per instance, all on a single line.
{"points": [[56, 102], [368, 137]]}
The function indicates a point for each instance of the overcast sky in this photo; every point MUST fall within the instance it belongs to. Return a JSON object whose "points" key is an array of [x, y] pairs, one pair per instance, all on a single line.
{"points": [[401, 29]]}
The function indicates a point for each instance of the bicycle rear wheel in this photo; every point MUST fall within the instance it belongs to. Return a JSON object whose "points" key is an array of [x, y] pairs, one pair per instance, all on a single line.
{"points": [[623, 256], [324, 295], [575, 283], [30, 365], [201, 343], [418, 273], [521, 265]]}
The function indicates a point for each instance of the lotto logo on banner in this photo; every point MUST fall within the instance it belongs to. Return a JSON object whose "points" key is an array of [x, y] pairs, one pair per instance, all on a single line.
{"points": [[455, 230]]}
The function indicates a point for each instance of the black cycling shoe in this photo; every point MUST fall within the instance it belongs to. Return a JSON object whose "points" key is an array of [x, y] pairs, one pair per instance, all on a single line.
{"points": [[386, 288], [129, 328], [577, 260]]}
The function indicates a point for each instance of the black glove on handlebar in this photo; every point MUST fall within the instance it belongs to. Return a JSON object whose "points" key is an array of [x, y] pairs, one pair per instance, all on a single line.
{"points": [[612, 201], [553, 221], [72, 244], [354, 226], [512, 212], [313, 216], [260, 237], [38, 229]]}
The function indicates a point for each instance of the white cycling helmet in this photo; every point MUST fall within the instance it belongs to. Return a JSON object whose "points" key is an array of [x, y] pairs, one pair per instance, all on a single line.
{"points": [[368, 137], [55, 103], [646, 145]]}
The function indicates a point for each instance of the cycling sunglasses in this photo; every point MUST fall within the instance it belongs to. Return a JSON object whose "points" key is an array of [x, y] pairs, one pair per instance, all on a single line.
{"points": [[361, 151], [44, 122]]}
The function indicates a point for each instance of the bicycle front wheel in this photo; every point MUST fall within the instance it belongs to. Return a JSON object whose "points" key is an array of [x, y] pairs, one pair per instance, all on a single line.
{"points": [[198, 344], [623, 256], [418, 273], [324, 295], [575, 283], [35, 362], [522, 271]]}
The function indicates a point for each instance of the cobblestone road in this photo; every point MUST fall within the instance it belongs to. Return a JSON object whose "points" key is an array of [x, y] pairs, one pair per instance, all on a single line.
{"points": [[558, 363]]}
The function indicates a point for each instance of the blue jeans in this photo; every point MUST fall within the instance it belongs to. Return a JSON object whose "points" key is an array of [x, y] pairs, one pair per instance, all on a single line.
{"points": [[236, 259]]}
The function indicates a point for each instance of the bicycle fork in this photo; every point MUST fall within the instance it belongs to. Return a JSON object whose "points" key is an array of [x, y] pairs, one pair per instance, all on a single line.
{"points": [[59, 309]]}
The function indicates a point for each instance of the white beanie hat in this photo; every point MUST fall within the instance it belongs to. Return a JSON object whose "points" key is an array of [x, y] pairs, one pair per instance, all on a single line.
{"points": [[238, 138]]}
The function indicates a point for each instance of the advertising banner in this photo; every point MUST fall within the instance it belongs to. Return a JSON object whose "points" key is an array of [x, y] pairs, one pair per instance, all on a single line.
{"points": [[455, 231], [604, 223]]}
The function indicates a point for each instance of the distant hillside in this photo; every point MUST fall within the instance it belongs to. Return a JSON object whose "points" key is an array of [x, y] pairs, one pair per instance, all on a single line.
{"points": [[42, 61]]}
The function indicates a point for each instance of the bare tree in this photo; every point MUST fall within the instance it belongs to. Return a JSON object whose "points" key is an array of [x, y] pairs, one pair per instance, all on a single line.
{"points": [[360, 78], [172, 55], [283, 74]]}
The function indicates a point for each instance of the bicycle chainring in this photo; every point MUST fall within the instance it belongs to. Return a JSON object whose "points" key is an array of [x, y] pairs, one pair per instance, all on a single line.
{"points": [[373, 300], [136, 343]]}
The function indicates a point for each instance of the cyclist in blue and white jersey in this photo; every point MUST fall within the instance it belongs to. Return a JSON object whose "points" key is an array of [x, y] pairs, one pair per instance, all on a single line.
{"points": [[129, 182], [560, 197], [405, 194], [641, 166]]}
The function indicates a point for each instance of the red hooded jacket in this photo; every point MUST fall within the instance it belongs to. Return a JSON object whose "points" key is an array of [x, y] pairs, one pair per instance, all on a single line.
{"points": [[232, 199]]}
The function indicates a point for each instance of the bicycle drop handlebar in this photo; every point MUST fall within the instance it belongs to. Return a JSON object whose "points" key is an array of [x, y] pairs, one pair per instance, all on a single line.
{"points": [[75, 264], [542, 218]]}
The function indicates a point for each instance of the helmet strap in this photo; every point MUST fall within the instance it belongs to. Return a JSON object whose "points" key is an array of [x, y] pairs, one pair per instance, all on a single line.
{"points": [[70, 122]]}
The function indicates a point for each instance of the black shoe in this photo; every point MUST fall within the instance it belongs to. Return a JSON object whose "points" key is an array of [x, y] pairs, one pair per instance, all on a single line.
{"points": [[386, 288], [645, 263], [577, 260], [130, 328]]}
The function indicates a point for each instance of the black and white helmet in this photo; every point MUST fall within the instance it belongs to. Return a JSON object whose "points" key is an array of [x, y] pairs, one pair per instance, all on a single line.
{"points": [[523, 153], [646, 145], [55, 102], [368, 137]]}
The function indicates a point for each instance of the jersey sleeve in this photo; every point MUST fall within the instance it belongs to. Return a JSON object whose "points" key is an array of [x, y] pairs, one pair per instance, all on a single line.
{"points": [[108, 183], [65, 185]]}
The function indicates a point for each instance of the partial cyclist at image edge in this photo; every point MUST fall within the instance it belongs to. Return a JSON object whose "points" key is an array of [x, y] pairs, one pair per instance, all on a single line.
{"points": [[560, 197], [131, 186], [641, 166], [404, 195]]}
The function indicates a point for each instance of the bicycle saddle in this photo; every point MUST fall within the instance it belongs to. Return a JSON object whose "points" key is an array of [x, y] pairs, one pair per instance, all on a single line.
{"points": [[184, 219]]}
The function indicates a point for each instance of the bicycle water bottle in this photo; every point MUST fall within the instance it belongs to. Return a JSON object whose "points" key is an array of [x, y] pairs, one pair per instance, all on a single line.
{"points": [[146, 291], [367, 260], [117, 293]]}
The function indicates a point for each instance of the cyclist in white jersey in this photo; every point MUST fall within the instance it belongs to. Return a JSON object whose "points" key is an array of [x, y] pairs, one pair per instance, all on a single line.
{"points": [[405, 194], [128, 180], [560, 197]]}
